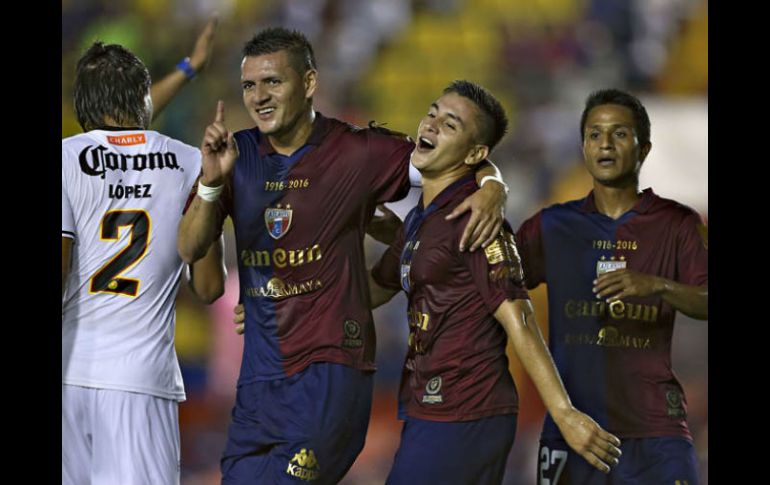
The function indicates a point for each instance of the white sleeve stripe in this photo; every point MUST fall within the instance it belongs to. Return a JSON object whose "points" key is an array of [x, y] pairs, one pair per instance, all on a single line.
{"points": [[68, 234]]}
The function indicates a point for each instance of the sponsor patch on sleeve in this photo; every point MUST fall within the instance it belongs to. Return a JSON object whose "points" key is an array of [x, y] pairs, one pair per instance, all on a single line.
{"points": [[503, 252]]}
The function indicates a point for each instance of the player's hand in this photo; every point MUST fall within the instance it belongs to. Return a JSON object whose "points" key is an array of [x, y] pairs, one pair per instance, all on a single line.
{"points": [[622, 283], [204, 44], [487, 207], [384, 228], [589, 440], [239, 318], [219, 150]]}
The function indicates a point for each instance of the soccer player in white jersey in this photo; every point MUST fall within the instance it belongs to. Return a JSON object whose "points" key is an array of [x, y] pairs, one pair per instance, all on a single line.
{"points": [[123, 192]]}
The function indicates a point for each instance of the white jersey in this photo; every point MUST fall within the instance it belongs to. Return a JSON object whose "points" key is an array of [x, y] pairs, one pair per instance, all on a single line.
{"points": [[123, 193]]}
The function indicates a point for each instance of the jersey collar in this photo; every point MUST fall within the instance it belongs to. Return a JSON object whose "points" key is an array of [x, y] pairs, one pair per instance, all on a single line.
{"points": [[642, 205], [321, 126]]}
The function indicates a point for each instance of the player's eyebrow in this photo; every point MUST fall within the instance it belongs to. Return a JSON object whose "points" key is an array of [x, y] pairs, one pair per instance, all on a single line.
{"points": [[449, 113]]}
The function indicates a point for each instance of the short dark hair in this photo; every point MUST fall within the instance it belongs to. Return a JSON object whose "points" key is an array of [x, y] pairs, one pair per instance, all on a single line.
{"points": [[275, 39], [621, 98], [494, 122], [111, 82]]}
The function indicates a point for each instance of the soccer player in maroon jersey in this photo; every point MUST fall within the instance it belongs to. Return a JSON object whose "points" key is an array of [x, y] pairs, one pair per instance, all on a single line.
{"points": [[300, 188], [457, 397], [619, 263]]}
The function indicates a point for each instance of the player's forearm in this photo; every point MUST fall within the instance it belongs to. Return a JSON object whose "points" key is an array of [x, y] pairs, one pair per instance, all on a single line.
{"points": [[691, 300], [518, 319], [377, 294], [487, 169], [496, 190], [165, 89], [208, 274], [197, 230]]}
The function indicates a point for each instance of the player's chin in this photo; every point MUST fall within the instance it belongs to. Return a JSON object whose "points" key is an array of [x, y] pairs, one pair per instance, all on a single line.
{"points": [[266, 127], [421, 159]]}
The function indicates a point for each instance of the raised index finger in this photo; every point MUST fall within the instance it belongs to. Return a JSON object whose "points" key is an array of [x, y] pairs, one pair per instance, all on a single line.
{"points": [[220, 117], [211, 26]]}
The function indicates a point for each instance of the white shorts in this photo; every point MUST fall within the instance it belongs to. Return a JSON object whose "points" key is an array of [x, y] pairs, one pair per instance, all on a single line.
{"points": [[118, 438]]}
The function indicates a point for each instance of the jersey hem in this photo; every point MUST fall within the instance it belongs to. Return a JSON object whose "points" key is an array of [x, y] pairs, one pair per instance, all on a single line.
{"points": [[179, 397]]}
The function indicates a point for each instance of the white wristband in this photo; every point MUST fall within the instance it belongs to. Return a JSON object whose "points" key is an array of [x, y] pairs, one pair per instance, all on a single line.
{"points": [[496, 179], [209, 194]]}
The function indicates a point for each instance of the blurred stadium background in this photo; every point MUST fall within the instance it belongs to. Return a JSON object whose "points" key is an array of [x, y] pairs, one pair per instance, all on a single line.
{"points": [[387, 60]]}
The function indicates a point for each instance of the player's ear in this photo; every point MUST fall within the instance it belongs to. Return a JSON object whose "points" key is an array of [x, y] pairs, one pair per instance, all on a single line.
{"points": [[644, 150], [476, 154], [310, 80]]}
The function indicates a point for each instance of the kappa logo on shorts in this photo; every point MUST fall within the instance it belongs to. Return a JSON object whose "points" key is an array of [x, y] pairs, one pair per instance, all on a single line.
{"points": [[432, 389], [304, 465], [352, 331], [278, 220]]}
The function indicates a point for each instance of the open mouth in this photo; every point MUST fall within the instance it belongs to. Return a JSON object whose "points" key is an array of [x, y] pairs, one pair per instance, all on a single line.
{"points": [[606, 162], [423, 144], [265, 111]]}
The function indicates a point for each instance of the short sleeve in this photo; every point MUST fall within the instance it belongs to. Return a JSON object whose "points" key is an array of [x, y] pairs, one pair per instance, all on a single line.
{"points": [[529, 241]]}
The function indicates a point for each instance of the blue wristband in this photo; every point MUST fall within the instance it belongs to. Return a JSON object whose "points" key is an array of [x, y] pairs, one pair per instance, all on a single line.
{"points": [[186, 68]]}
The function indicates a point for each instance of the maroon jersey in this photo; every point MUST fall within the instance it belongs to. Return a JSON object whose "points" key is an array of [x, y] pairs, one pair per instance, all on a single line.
{"points": [[615, 360], [456, 368], [299, 226]]}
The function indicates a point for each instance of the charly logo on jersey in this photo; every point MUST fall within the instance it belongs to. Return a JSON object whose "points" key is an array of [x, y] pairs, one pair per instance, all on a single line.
{"points": [[304, 465], [128, 140], [352, 331], [96, 161], [605, 265], [432, 388], [278, 220], [675, 401]]}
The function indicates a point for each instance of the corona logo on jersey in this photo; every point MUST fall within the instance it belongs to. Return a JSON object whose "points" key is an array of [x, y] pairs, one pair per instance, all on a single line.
{"points": [[278, 221], [98, 160], [304, 465]]}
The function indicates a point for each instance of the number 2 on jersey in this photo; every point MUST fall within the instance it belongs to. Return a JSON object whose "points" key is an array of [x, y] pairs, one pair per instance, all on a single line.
{"points": [[107, 279]]}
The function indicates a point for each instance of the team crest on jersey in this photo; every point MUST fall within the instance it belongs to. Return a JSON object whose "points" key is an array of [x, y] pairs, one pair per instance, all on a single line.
{"points": [[432, 389], [605, 265], [278, 220]]}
